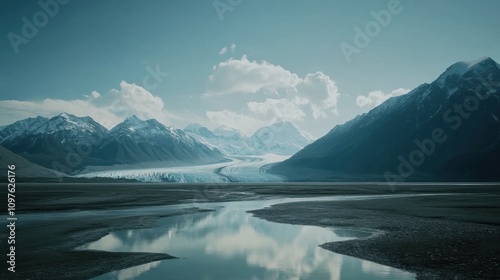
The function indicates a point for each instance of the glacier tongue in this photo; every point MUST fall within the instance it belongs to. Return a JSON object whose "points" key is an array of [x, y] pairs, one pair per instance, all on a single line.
{"points": [[240, 169]]}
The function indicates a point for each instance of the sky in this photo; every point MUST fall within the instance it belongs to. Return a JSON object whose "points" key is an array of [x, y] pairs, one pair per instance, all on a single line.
{"points": [[239, 63]]}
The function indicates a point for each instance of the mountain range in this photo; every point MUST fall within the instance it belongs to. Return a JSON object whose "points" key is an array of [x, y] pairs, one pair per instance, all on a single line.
{"points": [[67, 143], [282, 138], [447, 130]]}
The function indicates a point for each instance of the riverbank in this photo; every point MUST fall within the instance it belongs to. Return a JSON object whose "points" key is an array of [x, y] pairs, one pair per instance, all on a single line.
{"points": [[436, 237], [45, 247]]}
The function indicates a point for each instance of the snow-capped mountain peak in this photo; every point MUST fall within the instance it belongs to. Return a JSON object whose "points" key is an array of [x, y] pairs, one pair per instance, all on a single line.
{"points": [[228, 132], [132, 141], [21, 127], [151, 140], [376, 142], [65, 115], [453, 74], [198, 129], [131, 123], [38, 135], [283, 132], [135, 126], [290, 127], [282, 138], [68, 122]]}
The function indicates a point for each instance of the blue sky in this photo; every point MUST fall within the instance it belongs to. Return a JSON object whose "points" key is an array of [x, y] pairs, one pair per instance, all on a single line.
{"points": [[93, 58]]}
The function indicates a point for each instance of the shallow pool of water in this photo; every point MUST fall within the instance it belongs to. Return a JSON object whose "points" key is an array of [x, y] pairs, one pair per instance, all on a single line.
{"points": [[230, 243]]}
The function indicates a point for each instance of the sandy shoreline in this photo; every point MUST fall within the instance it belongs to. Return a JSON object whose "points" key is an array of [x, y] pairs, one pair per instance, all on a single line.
{"points": [[436, 237]]}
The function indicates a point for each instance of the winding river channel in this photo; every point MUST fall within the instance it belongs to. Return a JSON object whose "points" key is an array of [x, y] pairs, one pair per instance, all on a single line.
{"points": [[230, 243]]}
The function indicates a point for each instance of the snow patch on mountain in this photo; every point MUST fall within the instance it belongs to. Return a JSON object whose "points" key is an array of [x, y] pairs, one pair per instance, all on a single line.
{"points": [[21, 127], [450, 79], [70, 128], [130, 142]]}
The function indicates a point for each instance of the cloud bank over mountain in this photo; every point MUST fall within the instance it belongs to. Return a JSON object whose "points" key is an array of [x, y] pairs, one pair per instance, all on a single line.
{"points": [[108, 109]]}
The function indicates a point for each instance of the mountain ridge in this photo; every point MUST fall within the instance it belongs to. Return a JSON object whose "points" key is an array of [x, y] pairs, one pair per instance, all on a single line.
{"points": [[379, 143], [68, 143]]}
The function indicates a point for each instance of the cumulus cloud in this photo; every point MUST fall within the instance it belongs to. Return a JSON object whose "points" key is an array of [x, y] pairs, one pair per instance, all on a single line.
{"points": [[245, 76], [375, 98], [108, 109], [321, 92], [292, 99], [131, 99], [233, 47]]}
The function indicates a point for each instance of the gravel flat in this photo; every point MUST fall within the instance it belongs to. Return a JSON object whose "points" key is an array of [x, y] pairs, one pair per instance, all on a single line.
{"points": [[436, 237]]}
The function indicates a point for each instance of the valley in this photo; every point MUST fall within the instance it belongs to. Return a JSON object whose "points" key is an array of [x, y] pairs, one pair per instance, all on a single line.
{"points": [[140, 231]]}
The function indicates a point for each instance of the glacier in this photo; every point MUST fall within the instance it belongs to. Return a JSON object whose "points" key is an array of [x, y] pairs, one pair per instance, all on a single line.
{"points": [[239, 169]]}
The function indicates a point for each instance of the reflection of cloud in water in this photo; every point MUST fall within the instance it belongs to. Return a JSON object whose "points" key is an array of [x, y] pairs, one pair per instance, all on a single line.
{"points": [[110, 243], [297, 258], [374, 268], [232, 238], [285, 251], [133, 272]]}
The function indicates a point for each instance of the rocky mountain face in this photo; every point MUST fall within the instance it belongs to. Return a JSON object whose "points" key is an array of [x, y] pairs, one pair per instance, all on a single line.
{"points": [[446, 130]]}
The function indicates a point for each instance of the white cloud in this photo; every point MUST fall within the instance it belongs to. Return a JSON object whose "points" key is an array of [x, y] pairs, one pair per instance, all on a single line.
{"points": [[107, 109], [245, 76], [321, 92], [131, 99], [293, 97], [223, 51], [375, 98]]}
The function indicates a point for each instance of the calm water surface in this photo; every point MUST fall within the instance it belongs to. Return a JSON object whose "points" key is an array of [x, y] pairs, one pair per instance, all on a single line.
{"points": [[231, 244]]}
